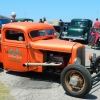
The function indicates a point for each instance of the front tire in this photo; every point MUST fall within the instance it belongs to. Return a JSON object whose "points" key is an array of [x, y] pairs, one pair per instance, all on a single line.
{"points": [[76, 80]]}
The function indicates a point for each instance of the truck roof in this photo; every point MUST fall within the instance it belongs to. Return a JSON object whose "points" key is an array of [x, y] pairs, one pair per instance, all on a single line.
{"points": [[26, 26], [78, 19]]}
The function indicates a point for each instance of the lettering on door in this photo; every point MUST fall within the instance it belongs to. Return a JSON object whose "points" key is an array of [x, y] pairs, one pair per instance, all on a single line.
{"points": [[14, 55]]}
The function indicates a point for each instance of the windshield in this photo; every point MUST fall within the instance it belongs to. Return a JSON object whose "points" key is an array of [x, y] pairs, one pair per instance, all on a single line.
{"points": [[79, 23], [36, 33]]}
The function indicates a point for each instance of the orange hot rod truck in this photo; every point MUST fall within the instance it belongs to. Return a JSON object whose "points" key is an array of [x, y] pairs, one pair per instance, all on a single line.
{"points": [[30, 46]]}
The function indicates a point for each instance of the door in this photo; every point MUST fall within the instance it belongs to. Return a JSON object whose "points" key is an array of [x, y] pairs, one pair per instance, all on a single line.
{"points": [[15, 50]]}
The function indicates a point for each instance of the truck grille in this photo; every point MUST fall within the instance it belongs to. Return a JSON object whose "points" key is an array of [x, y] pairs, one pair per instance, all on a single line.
{"points": [[81, 55], [75, 33]]}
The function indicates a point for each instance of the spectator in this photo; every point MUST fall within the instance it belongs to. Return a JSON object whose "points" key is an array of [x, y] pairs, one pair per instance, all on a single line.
{"points": [[40, 21], [96, 24], [13, 19], [60, 20], [44, 19]]}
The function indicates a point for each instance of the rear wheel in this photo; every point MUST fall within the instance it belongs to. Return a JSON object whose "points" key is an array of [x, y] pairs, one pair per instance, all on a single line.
{"points": [[76, 80]]}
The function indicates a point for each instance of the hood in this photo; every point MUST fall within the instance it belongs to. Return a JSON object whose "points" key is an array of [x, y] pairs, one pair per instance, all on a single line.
{"points": [[54, 45], [76, 31]]}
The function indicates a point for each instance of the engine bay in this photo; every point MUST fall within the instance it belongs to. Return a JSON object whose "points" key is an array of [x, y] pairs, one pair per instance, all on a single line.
{"points": [[56, 57]]}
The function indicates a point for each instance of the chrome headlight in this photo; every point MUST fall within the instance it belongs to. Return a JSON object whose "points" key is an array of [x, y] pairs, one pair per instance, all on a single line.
{"points": [[77, 61]]}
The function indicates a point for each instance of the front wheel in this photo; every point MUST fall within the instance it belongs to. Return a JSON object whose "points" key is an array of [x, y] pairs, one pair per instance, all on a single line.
{"points": [[76, 80]]}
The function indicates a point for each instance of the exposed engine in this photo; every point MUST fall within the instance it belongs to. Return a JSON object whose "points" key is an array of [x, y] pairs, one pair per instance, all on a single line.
{"points": [[56, 57]]}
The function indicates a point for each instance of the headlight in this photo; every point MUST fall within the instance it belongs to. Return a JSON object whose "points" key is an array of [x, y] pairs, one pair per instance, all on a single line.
{"points": [[92, 57], [77, 61]]}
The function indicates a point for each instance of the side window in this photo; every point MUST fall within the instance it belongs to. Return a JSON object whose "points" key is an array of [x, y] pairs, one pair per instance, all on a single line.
{"points": [[34, 33], [14, 35]]}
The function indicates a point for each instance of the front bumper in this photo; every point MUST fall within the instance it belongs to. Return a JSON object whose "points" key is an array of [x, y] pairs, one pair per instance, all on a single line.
{"points": [[72, 38]]}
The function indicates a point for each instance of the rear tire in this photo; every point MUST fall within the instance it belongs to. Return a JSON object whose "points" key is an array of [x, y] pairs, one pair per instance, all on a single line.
{"points": [[83, 84]]}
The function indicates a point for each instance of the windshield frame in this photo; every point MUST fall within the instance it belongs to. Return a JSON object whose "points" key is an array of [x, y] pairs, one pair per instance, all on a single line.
{"points": [[80, 23], [45, 33]]}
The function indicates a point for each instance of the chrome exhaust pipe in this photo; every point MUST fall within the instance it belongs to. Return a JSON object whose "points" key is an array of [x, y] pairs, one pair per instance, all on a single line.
{"points": [[42, 64]]}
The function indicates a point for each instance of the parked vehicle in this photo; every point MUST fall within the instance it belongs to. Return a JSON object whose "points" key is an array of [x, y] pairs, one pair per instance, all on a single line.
{"points": [[30, 46], [94, 39], [79, 30], [24, 20]]}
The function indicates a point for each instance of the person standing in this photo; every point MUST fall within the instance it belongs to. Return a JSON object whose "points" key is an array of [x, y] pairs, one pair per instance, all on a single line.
{"points": [[96, 24], [13, 17], [40, 21], [44, 19]]}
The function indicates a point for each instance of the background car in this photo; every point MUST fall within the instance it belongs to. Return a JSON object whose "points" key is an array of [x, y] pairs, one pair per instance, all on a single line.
{"points": [[80, 29], [24, 20], [58, 25]]}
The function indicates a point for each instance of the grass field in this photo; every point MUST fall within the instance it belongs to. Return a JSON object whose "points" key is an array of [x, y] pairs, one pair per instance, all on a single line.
{"points": [[5, 93]]}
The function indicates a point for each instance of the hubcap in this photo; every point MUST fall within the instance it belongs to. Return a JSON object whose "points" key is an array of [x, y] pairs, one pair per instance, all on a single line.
{"points": [[75, 81]]}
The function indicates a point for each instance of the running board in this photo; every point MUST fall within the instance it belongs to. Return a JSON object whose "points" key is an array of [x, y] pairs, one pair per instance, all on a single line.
{"points": [[42, 64]]}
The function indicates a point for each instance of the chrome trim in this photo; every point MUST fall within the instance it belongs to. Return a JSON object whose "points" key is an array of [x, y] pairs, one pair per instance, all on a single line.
{"points": [[74, 38], [42, 64]]}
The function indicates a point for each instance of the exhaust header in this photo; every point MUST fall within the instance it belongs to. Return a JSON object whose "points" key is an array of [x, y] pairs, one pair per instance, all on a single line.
{"points": [[42, 64]]}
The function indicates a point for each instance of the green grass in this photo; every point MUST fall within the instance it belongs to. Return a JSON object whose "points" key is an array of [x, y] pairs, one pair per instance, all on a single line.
{"points": [[5, 93]]}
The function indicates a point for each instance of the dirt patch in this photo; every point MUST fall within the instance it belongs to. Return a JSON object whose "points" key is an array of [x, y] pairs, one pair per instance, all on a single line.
{"points": [[5, 93]]}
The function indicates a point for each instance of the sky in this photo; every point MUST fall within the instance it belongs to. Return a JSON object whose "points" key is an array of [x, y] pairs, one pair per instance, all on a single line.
{"points": [[51, 9]]}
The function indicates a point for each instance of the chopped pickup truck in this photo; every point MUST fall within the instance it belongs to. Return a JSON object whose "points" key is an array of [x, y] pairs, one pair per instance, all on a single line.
{"points": [[30, 46]]}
